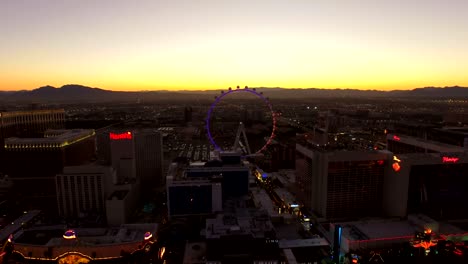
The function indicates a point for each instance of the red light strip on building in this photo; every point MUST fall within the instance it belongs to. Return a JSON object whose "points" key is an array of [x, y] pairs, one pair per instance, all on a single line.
{"points": [[446, 159], [122, 136]]}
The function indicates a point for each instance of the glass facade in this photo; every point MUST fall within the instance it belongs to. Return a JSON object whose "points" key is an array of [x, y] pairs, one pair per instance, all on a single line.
{"points": [[354, 188]]}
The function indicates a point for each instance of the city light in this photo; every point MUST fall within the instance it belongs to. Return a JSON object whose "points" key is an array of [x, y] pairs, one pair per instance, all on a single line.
{"points": [[121, 136], [397, 138], [396, 167], [161, 252]]}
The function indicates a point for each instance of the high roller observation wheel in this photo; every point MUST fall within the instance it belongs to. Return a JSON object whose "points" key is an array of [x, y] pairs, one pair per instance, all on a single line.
{"points": [[238, 90]]}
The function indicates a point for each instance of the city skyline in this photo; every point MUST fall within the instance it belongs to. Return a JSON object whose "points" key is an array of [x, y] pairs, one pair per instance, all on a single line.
{"points": [[185, 45]]}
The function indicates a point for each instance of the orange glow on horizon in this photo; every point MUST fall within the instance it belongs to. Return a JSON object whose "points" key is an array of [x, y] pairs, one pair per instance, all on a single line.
{"points": [[149, 87]]}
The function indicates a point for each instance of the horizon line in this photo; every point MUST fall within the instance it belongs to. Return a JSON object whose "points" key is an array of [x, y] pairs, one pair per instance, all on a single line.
{"points": [[221, 89]]}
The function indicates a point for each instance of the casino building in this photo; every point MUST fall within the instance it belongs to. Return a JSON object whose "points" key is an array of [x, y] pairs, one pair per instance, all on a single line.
{"points": [[131, 243], [434, 184], [32, 163], [340, 184], [30, 123]]}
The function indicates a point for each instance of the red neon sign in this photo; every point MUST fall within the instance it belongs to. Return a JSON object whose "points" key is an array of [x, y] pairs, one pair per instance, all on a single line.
{"points": [[121, 136], [446, 159], [397, 138]]}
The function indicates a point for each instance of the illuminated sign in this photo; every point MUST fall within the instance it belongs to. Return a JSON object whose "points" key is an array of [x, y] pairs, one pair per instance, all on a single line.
{"points": [[73, 258], [395, 158], [397, 138], [294, 205], [396, 167], [121, 136], [70, 234], [148, 235], [446, 159]]}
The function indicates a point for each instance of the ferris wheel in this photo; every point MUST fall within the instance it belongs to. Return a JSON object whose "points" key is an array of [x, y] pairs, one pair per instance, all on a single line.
{"points": [[241, 128]]}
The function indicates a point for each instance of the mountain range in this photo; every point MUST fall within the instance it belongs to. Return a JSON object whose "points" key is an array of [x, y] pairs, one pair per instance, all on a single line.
{"points": [[73, 93]]}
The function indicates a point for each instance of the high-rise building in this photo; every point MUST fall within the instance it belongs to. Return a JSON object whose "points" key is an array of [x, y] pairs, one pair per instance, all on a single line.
{"points": [[136, 155], [32, 163], [149, 159], [339, 184], [122, 145], [434, 184], [81, 189]]}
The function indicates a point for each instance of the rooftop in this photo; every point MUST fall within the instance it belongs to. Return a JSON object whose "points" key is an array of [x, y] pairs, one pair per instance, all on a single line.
{"points": [[52, 138], [388, 229], [426, 144], [101, 242], [17, 224], [32, 112], [296, 243]]}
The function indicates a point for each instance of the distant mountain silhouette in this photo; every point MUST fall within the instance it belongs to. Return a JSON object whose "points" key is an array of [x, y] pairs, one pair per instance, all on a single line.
{"points": [[72, 93]]}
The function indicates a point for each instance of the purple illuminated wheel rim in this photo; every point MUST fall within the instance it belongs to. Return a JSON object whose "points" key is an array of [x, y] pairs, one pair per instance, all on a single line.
{"points": [[248, 90]]}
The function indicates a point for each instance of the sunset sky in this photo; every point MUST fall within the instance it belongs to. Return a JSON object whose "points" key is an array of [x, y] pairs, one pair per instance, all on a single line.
{"points": [[213, 44]]}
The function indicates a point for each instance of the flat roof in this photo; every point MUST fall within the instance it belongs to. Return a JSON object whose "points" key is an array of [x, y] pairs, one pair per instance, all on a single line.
{"points": [[17, 224], [387, 229], [242, 222], [60, 137], [426, 144], [32, 112], [297, 243], [377, 230]]}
